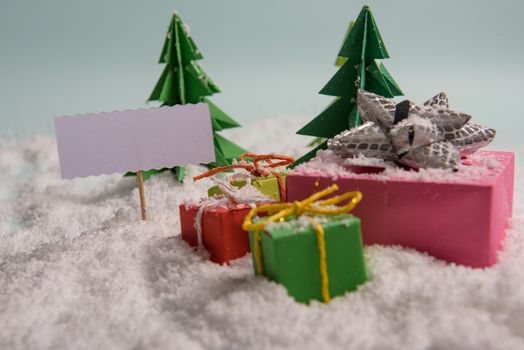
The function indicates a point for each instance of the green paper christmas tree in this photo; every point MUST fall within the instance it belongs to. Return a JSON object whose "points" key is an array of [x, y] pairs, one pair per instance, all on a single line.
{"points": [[184, 81], [359, 69], [339, 62]]}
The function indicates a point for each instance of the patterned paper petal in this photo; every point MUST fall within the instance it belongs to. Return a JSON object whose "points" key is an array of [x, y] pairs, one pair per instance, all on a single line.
{"points": [[438, 101], [376, 109], [437, 155], [472, 137], [367, 140], [446, 120], [412, 133]]}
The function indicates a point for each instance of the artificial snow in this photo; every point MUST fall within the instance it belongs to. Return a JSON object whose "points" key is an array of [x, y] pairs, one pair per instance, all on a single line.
{"points": [[327, 163], [230, 197], [79, 270]]}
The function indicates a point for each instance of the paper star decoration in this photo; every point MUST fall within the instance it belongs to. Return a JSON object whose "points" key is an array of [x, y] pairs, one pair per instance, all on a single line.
{"points": [[419, 136]]}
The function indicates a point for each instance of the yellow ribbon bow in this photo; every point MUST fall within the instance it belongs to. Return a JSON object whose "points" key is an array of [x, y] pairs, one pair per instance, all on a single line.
{"points": [[310, 207]]}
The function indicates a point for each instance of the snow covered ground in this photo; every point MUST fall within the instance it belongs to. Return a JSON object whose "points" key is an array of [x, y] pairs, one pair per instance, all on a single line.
{"points": [[78, 270]]}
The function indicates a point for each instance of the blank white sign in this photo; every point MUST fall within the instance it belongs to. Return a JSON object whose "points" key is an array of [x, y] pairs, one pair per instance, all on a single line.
{"points": [[132, 140]]}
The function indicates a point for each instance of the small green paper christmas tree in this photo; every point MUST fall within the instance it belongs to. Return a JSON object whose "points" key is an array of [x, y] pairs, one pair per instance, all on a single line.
{"points": [[358, 70], [184, 81]]}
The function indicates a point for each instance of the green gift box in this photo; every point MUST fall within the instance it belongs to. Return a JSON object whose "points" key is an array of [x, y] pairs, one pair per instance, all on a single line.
{"points": [[290, 255], [267, 185]]}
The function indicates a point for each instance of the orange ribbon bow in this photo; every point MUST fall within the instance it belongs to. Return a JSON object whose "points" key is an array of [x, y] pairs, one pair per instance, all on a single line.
{"points": [[256, 168]]}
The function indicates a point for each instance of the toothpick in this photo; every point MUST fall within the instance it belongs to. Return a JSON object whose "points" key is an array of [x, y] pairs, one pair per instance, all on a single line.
{"points": [[142, 196]]}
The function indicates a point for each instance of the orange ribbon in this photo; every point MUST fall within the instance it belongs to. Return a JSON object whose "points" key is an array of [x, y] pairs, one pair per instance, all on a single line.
{"points": [[256, 168]]}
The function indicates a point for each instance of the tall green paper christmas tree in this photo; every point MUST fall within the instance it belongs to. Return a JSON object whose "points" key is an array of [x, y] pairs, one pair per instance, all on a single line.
{"points": [[184, 81], [359, 70]]}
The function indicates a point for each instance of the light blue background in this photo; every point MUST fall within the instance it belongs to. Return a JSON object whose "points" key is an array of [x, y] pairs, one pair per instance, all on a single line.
{"points": [[268, 57]]}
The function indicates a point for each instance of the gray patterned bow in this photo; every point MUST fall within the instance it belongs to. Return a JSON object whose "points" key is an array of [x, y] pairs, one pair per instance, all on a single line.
{"points": [[419, 136]]}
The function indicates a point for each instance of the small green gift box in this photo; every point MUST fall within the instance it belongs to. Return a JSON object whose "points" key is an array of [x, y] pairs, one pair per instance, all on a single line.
{"points": [[290, 256], [312, 247], [267, 185]]}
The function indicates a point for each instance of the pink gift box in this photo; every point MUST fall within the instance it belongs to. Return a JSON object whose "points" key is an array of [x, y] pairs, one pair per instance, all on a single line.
{"points": [[460, 220]]}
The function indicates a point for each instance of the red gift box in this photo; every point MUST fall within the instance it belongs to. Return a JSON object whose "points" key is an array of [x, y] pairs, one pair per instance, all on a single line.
{"points": [[222, 233], [461, 221]]}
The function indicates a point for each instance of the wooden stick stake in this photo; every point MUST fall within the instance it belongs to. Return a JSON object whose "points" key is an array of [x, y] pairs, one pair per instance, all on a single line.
{"points": [[142, 196]]}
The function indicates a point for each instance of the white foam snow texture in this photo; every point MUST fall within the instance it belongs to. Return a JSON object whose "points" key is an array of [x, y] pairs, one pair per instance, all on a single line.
{"points": [[79, 270], [328, 163]]}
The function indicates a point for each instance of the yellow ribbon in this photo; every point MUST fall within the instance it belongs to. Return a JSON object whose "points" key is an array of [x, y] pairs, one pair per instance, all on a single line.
{"points": [[310, 207]]}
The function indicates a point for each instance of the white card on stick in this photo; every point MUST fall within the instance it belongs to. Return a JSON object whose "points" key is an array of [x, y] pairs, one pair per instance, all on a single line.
{"points": [[132, 140]]}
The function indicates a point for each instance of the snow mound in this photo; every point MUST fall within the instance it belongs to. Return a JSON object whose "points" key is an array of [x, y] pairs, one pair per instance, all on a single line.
{"points": [[327, 163], [78, 269]]}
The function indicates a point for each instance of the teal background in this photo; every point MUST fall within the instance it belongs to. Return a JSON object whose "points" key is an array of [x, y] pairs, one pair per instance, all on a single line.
{"points": [[269, 57]]}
